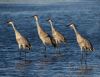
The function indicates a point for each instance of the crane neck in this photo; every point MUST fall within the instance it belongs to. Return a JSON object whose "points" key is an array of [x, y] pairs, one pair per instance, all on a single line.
{"points": [[14, 27], [37, 23], [39, 29], [15, 30], [51, 24], [75, 30]]}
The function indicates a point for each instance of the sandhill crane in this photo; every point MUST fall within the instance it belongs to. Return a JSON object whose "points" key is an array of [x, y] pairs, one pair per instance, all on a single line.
{"points": [[58, 37], [45, 37], [84, 44], [23, 42]]}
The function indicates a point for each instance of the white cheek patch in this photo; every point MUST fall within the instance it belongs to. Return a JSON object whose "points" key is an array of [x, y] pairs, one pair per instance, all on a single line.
{"points": [[10, 22], [71, 25]]}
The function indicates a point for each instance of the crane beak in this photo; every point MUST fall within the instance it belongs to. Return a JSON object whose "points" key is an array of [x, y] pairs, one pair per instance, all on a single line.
{"points": [[67, 25], [47, 20], [7, 22], [32, 16]]}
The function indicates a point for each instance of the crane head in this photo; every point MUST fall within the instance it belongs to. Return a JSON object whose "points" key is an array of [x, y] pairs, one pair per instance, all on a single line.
{"points": [[36, 17], [9, 22], [49, 20], [72, 25]]}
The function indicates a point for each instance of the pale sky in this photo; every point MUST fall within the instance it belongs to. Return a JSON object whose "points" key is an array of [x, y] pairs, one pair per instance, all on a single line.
{"points": [[36, 1], [42, 1]]}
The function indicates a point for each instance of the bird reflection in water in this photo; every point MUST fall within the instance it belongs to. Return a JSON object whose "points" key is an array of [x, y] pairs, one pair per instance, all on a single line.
{"points": [[51, 59], [22, 41], [84, 44], [85, 71], [22, 64]]}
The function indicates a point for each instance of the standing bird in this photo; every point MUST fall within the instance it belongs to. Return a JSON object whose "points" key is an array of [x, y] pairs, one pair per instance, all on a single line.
{"points": [[58, 37], [45, 38], [23, 42], [85, 45]]}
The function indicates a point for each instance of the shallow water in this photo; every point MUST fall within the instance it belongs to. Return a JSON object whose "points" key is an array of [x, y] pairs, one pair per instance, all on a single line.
{"points": [[65, 64]]}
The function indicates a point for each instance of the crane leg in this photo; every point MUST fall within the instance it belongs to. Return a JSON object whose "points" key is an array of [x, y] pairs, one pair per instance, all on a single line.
{"points": [[86, 59], [19, 54], [25, 55], [58, 49], [82, 57], [20, 50], [45, 55]]}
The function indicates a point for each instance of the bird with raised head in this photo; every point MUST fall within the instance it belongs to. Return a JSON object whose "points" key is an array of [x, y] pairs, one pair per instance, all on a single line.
{"points": [[45, 37], [84, 44], [22, 41], [58, 37]]}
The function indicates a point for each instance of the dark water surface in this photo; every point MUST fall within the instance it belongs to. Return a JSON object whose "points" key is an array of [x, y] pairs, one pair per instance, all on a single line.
{"points": [[67, 64]]}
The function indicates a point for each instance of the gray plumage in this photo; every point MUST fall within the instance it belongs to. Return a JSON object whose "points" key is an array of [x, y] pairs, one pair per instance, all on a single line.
{"points": [[23, 42], [45, 38], [85, 45], [58, 37]]}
